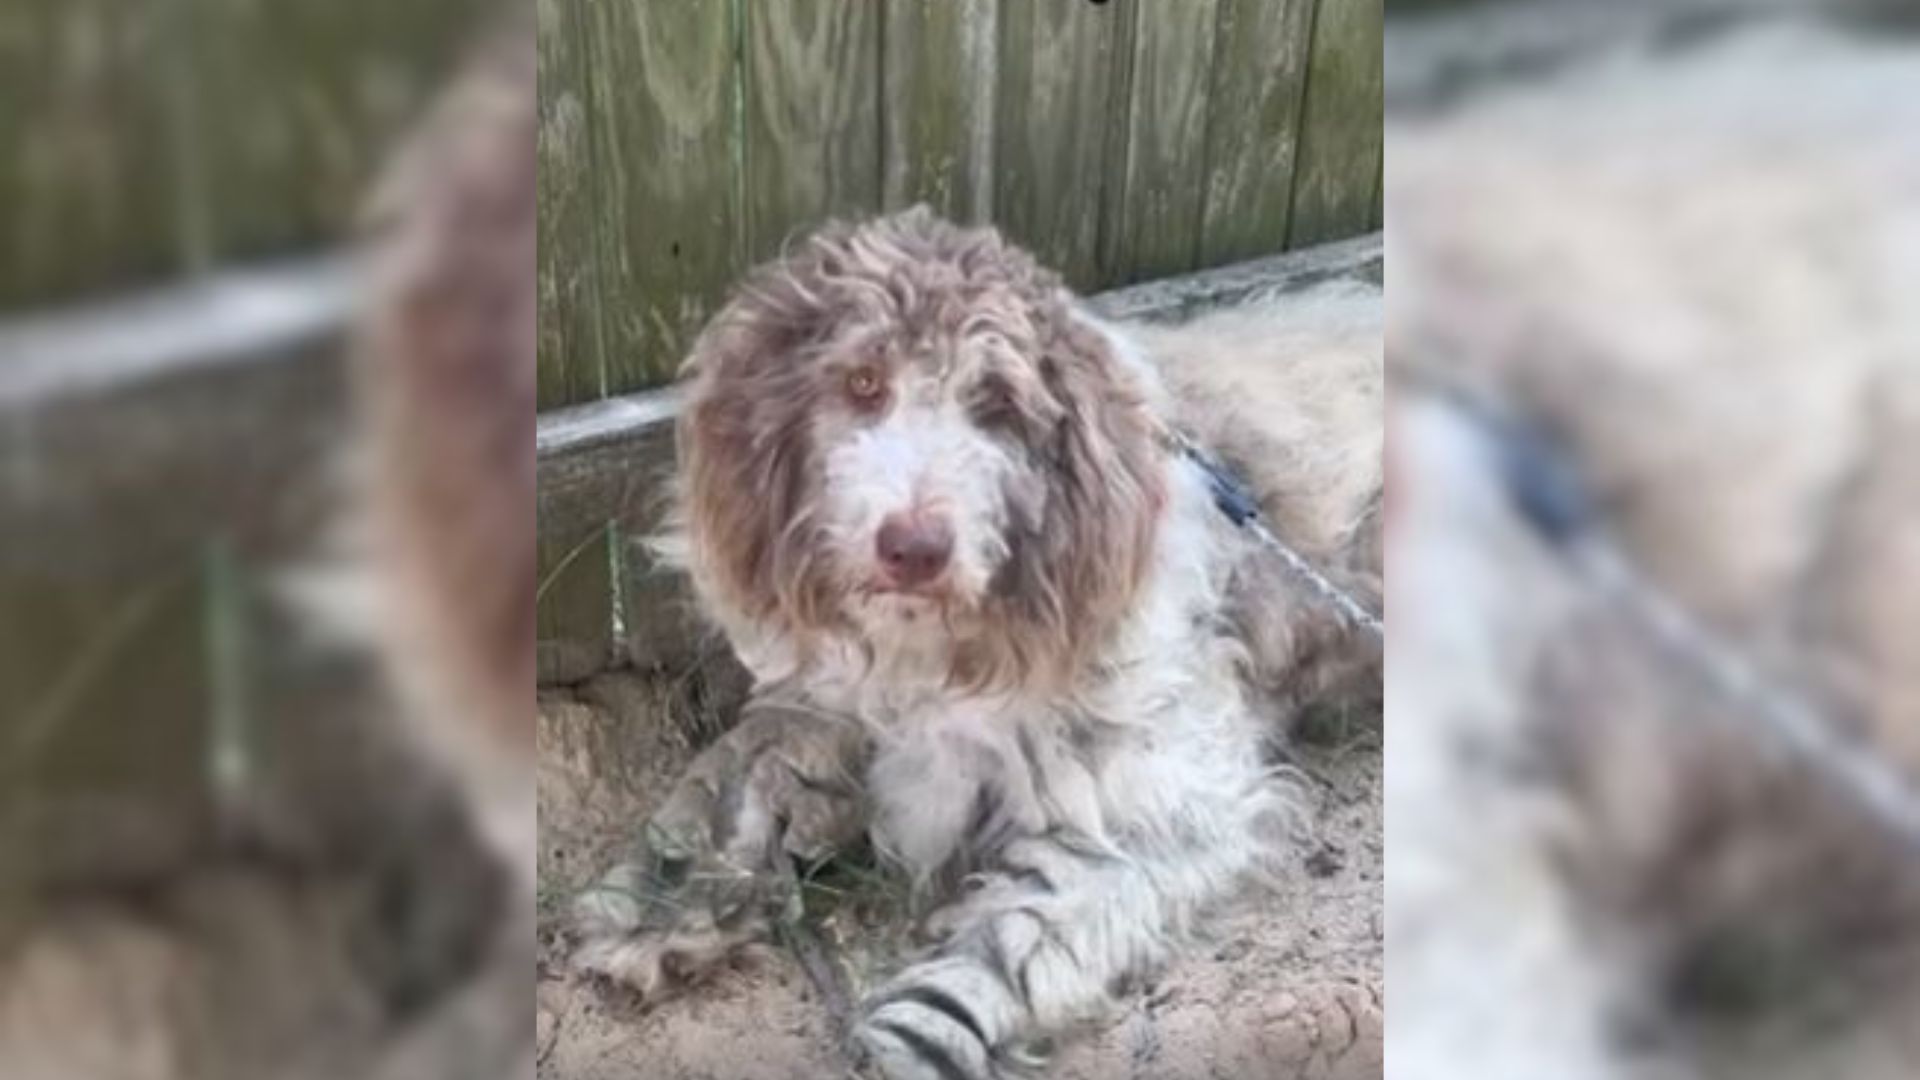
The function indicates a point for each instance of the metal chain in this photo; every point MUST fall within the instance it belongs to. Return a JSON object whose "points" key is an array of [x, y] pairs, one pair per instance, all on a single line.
{"points": [[1233, 499], [1354, 612], [1797, 728]]}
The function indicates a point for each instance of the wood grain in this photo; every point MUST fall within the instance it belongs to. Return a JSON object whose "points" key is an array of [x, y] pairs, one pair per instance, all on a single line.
{"points": [[665, 178], [937, 106], [812, 117], [289, 108], [1253, 117], [1057, 77], [569, 296], [1119, 141], [1340, 125], [577, 207], [1155, 229]]}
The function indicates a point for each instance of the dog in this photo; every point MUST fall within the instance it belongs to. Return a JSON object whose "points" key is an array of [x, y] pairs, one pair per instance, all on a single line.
{"points": [[997, 620]]}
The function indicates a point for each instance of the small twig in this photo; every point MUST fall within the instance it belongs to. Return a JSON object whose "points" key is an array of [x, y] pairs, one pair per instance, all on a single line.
{"points": [[1292, 762], [816, 959], [566, 560]]}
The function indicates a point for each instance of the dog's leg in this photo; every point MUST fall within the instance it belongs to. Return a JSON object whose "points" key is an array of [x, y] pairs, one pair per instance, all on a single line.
{"points": [[1040, 945], [706, 873], [1042, 941]]}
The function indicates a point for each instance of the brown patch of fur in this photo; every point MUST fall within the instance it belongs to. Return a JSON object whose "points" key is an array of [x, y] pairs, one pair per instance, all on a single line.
{"points": [[1075, 571]]}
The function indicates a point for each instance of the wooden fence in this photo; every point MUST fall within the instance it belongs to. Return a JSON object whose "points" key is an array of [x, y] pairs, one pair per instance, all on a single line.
{"points": [[1121, 141], [681, 143]]}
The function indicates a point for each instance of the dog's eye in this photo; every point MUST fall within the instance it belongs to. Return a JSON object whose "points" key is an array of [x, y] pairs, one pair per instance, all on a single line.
{"points": [[864, 386]]}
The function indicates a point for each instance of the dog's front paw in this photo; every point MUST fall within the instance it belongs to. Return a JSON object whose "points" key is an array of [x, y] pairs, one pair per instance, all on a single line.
{"points": [[713, 866], [656, 923]]}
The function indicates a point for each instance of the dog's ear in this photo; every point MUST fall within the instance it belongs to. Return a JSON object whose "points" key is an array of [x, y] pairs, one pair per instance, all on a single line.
{"points": [[744, 443], [1084, 562]]}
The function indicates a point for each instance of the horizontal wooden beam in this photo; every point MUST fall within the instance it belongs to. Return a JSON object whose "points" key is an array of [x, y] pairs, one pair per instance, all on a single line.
{"points": [[1172, 299], [222, 320], [132, 430]]}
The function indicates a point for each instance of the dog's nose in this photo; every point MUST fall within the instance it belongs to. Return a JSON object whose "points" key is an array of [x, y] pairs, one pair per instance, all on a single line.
{"points": [[914, 549]]}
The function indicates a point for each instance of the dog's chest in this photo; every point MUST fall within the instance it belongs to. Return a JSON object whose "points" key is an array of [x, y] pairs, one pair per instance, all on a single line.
{"points": [[950, 784]]}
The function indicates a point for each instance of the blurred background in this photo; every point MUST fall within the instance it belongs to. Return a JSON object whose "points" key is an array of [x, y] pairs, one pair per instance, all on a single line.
{"points": [[1653, 787], [217, 856]]}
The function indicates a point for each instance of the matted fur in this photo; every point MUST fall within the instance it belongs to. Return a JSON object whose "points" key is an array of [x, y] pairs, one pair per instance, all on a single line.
{"points": [[1696, 268], [1059, 739], [919, 301]]}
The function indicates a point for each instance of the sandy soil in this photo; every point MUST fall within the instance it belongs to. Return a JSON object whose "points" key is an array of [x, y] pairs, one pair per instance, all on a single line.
{"points": [[1288, 985]]}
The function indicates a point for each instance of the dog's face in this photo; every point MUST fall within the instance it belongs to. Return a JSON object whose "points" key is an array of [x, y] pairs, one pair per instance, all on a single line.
{"points": [[904, 436]]}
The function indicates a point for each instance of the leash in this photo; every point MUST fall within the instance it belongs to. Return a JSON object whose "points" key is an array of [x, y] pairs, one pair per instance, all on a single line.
{"points": [[1232, 497], [1550, 496]]}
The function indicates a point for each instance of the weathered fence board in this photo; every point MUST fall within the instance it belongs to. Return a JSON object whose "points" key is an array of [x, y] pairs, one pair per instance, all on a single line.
{"points": [[1163, 159], [1340, 133], [665, 179], [131, 431], [596, 465], [937, 105], [1253, 118], [1114, 228], [169, 466], [1054, 104], [580, 198], [1118, 141], [569, 300], [812, 116]]}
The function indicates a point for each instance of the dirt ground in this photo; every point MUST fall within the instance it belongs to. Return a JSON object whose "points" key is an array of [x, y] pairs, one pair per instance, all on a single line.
{"points": [[1287, 985]]}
